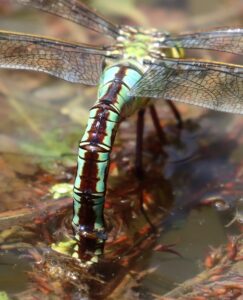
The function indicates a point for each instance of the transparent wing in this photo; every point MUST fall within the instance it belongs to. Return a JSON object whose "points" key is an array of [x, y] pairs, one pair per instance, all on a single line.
{"points": [[226, 40], [71, 62], [75, 11], [207, 84]]}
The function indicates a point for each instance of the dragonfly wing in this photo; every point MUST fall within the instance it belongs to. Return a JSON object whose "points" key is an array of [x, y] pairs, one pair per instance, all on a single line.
{"points": [[72, 62], [207, 84], [226, 40], [75, 11]]}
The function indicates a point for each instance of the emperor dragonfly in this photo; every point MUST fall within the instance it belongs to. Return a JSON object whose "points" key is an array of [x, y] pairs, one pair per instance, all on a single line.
{"points": [[139, 66]]}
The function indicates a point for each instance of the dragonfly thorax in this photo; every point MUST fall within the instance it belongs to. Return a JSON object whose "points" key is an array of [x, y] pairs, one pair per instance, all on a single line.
{"points": [[140, 44]]}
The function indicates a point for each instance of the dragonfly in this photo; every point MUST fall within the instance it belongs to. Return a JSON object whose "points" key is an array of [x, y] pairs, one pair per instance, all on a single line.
{"points": [[139, 66]]}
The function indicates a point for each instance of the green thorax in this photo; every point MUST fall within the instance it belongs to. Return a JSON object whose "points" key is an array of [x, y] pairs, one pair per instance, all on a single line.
{"points": [[138, 44]]}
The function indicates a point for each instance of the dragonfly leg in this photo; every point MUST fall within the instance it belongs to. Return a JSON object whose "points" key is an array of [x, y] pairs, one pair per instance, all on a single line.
{"points": [[139, 144], [176, 113], [157, 125], [139, 164]]}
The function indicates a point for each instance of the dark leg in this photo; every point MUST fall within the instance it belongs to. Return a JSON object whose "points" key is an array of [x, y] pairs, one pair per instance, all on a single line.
{"points": [[157, 126], [175, 112], [139, 144], [139, 163]]}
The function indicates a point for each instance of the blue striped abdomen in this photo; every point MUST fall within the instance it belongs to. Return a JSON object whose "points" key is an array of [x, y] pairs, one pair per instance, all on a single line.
{"points": [[113, 103]]}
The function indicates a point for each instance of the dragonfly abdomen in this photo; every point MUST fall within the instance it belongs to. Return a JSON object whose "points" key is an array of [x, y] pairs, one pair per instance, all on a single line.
{"points": [[113, 102]]}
